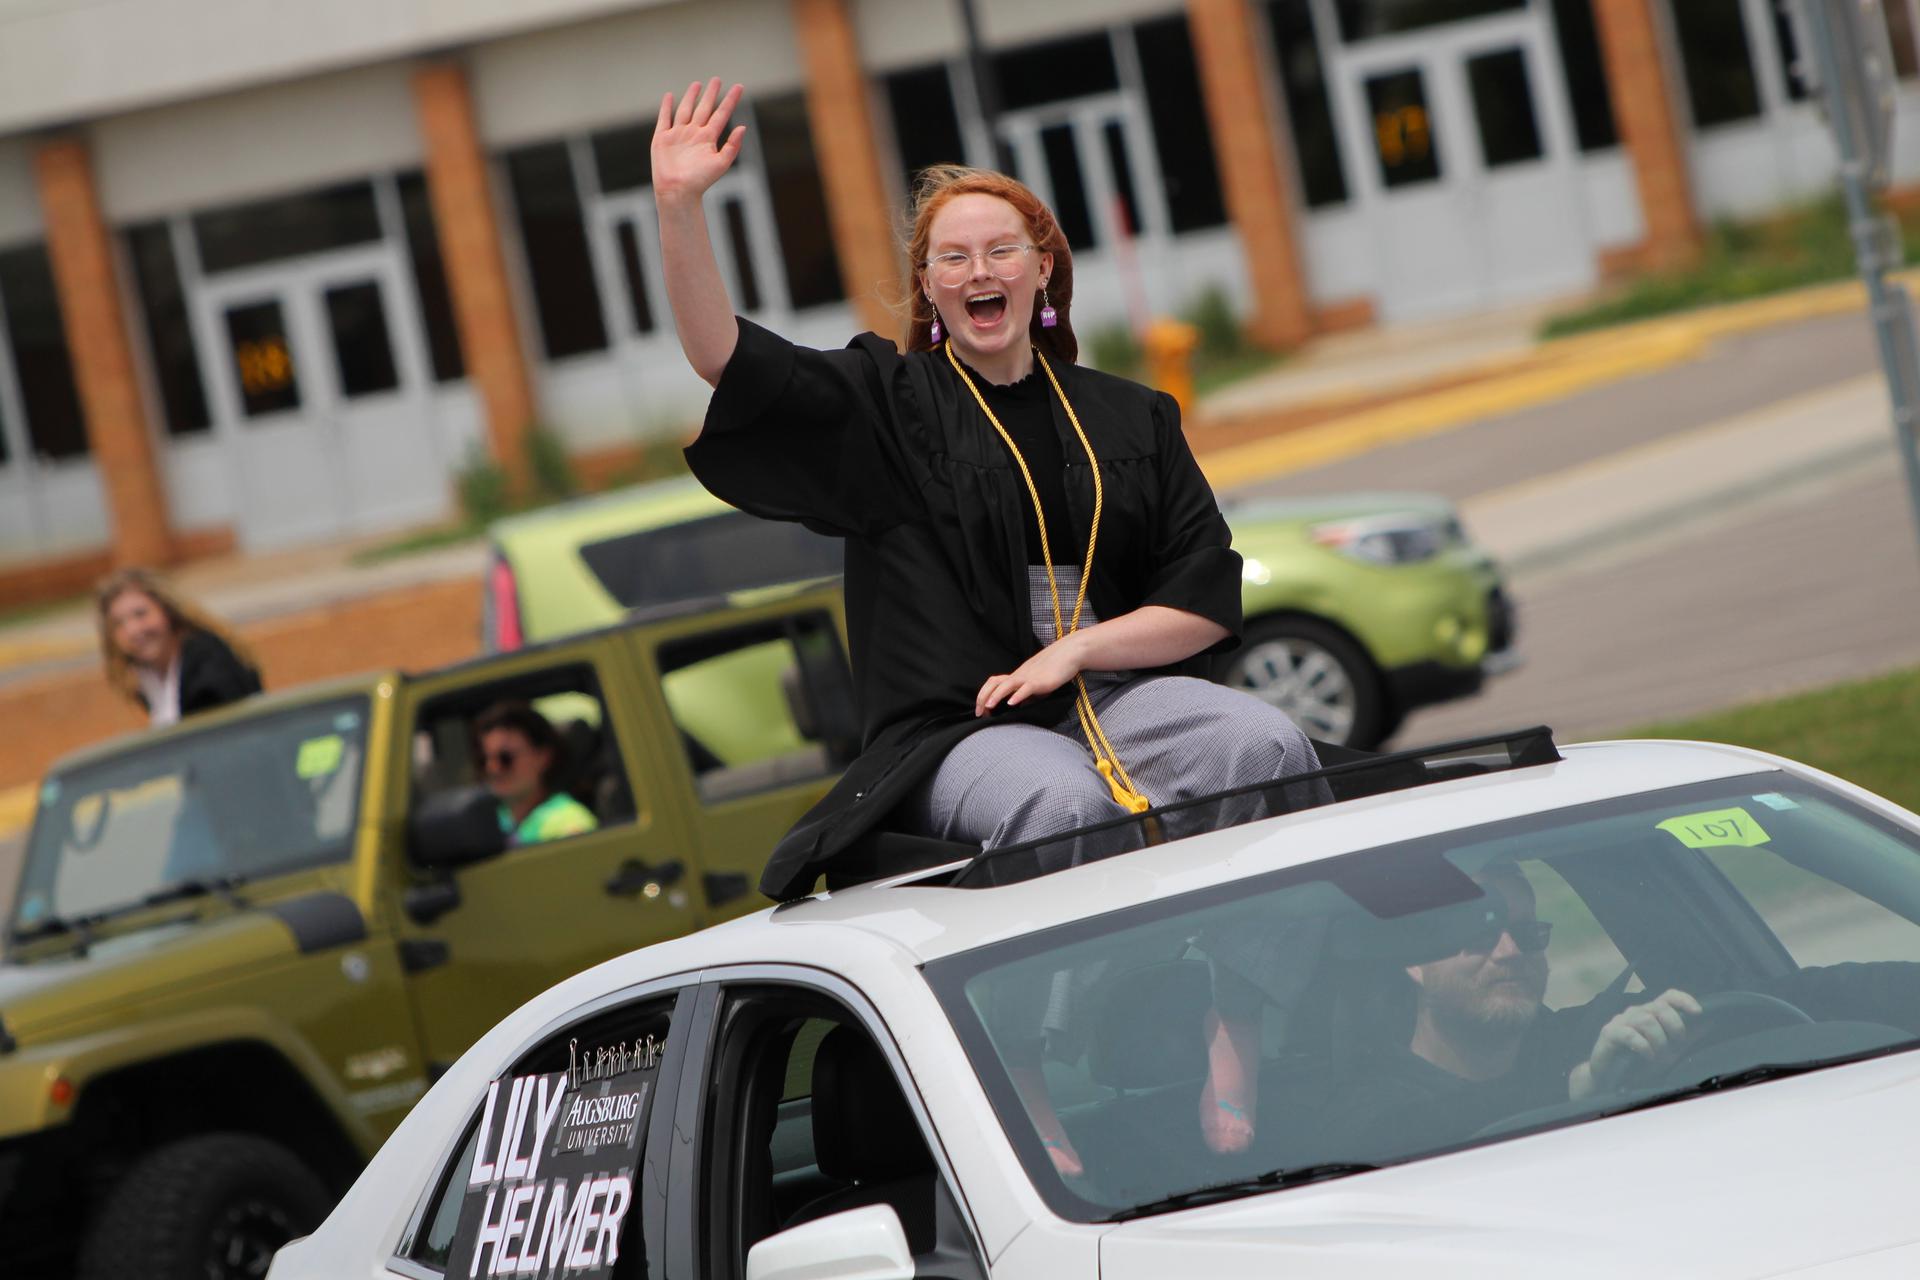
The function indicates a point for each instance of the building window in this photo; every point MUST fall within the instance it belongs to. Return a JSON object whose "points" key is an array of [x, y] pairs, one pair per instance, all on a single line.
{"points": [[1585, 73], [163, 312], [362, 348], [1402, 128], [1796, 76], [733, 213], [1503, 107], [430, 279], [1069, 186], [1182, 137], [37, 337], [799, 202], [1055, 71], [636, 277], [1719, 65], [547, 201], [1303, 82], [1900, 32], [926, 124], [623, 157], [1365, 19], [262, 359], [246, 235]]}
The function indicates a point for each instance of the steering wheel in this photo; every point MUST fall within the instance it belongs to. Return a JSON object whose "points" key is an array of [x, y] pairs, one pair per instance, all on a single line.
{"points": [[1723, 1016]]}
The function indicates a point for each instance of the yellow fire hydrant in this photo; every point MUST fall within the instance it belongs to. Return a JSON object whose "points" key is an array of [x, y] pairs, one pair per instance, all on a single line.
{"points": [[1169, 346]]}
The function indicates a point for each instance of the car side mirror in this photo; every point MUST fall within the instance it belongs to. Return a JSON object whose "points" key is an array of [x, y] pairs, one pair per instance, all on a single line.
{"points": [[866, 1243], [455, 829]]}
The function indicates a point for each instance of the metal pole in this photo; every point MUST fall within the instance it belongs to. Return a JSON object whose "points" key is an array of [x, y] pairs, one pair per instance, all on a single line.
{"points": [[1876, 240], [986, 90]]}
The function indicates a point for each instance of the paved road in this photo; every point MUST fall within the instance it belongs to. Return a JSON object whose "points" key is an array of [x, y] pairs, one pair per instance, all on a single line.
{"points": [[1805, 590], [1740, 375], [1792, 584]]}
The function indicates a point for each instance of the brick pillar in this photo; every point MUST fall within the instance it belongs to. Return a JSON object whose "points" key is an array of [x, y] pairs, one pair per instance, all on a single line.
{"points": [[843, 136], [463, 217], [1226, 41], [1652, 127], [117, 430]]}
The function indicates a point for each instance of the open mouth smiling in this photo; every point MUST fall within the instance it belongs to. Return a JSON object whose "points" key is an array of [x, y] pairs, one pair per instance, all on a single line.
{"points": [[986, 309]]}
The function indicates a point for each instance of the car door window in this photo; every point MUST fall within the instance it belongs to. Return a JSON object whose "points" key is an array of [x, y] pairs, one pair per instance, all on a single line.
{"points": [[807, 1117], [761, 706], [600, 1060], [481, 737]]}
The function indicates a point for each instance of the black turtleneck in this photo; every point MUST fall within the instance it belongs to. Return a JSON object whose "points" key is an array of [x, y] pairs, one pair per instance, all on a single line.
{"points": [[1025, 409]]}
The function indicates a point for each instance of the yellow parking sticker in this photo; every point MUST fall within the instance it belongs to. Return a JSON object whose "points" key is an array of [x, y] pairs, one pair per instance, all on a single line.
{"points": [[319, 756], [1716, 828]]}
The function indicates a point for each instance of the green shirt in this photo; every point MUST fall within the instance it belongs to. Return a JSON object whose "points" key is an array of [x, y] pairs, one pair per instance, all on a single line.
{"points": [[554, 818]]}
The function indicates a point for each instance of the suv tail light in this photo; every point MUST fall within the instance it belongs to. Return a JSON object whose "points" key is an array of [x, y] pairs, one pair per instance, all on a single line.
{"points": [[500, 610]]}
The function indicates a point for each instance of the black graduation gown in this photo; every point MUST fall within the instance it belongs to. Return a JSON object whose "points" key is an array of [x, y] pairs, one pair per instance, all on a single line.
{"points": [[890, 452]]}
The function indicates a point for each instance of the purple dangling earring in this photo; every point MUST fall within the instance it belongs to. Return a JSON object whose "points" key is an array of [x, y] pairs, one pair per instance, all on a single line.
{"points": [[1048, 316], [933, 335]]}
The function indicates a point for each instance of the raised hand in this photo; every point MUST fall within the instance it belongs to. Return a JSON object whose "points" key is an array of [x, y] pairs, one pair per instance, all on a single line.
{"points": [[691, 145]]}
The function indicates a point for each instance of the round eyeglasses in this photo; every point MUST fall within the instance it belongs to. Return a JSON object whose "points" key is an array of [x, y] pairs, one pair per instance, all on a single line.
{"points": [[1003, 260]]}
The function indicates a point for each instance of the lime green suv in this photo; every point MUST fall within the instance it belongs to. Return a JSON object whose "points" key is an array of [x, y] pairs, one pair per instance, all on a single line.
{"points": [[1359, 608]]}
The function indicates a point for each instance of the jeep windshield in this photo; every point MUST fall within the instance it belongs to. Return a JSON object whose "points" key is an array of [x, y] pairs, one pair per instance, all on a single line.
{"points": [[1445, 992], [193, 814]]}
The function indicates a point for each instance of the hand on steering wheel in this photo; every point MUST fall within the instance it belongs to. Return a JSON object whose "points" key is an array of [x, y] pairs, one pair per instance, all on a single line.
{"points": [[1648, 1040]]}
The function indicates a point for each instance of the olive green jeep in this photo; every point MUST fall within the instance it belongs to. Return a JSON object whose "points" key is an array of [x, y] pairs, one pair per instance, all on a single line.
{"points": [[241, 948]]}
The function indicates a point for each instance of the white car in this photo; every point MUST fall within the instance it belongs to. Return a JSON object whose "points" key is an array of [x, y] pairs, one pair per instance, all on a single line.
{"points": [[1416, 991]]}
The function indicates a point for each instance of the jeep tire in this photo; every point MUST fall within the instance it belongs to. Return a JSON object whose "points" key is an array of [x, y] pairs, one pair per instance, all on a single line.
{"points": [[212, 1206]]}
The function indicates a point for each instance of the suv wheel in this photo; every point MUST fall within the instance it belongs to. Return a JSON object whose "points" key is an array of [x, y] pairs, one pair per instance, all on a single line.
{"points": [[213, 1207], [1314, 674]]}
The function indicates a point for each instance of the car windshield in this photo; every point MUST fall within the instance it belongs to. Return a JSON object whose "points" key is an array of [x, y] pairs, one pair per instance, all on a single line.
{"points": [[1386, 1005], [194, 812], [708, 557]]}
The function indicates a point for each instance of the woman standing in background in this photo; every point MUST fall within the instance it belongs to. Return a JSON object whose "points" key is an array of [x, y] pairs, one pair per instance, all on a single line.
{"points": [[165, 655]]}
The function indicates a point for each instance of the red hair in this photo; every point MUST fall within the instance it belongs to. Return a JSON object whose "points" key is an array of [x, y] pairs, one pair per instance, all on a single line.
{"points": [[941, 183]]}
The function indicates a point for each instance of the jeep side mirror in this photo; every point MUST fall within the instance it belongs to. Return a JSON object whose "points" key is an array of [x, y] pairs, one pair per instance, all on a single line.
{"points": [[455, 829], [868, 1243]]}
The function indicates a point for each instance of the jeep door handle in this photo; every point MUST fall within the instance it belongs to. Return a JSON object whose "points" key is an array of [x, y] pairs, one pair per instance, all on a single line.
{"points": [[634, 876]]}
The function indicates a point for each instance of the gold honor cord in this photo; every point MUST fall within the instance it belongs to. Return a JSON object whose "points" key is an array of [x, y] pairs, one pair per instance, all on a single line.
{"points": [[1105, 758]]}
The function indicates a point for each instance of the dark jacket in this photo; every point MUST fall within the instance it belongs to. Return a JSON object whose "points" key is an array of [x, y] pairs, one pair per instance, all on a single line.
{"points": [[211, 675], [890, 452]]}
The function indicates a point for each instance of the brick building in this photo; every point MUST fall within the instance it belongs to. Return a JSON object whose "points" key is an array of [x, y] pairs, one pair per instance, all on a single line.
{"points": [[274, 273]]}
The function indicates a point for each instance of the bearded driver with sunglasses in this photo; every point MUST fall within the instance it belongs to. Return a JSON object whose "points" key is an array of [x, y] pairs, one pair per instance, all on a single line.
{"points": [[1483, 1041]]}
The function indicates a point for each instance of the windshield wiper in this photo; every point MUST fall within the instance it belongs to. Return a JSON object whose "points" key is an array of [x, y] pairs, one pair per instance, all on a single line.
{"points": [[1274, 1180], [81, 927], [1756, 1074], [198, 887]]}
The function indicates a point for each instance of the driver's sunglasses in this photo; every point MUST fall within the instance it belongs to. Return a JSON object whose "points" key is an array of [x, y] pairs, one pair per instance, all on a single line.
{"points": [[505, 760], [1003, 260], [1528, 935]]}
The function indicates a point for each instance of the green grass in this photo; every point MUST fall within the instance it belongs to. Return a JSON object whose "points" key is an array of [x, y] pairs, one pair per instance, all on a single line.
{"points": [[1740, 260], [1867, 732]]}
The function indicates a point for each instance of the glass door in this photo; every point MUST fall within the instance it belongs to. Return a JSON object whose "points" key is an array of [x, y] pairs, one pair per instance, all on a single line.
{"points": [[322, 386], [1091, 161], [1465, 164]]}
